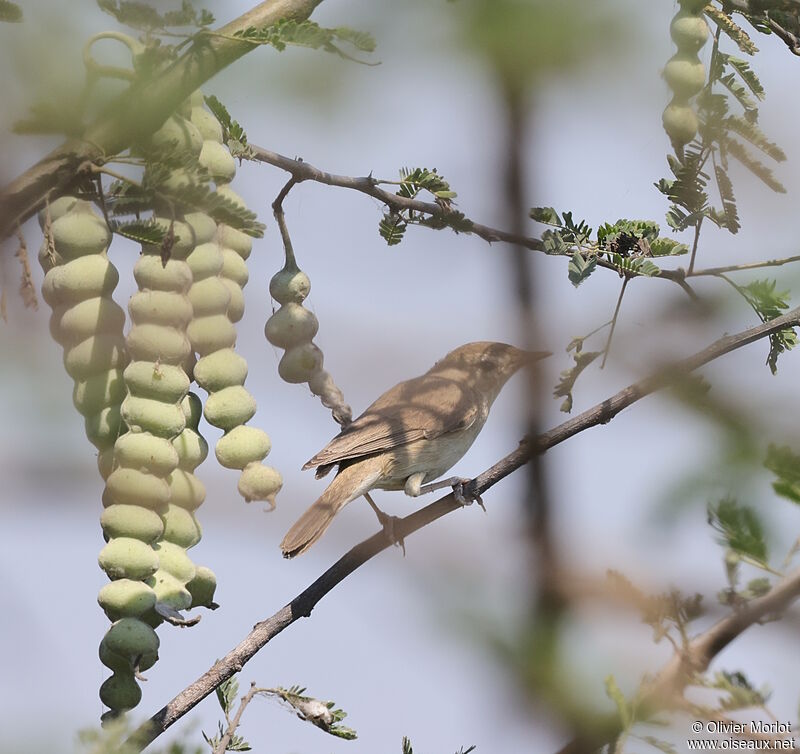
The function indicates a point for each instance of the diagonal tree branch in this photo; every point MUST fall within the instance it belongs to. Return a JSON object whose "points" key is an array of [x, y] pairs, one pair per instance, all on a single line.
{"points": [[302, 605], [139, 111]]}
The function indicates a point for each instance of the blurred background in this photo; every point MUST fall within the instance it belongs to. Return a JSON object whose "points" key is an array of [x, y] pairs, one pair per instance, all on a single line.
{"points": [[435, 645]]}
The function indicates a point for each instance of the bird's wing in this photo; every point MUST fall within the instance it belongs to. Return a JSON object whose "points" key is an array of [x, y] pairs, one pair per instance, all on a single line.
{"points": [[423, 408]]}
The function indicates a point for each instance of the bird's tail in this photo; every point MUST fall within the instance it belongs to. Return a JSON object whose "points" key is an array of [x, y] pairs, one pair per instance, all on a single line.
{"points": [[351, 482]]}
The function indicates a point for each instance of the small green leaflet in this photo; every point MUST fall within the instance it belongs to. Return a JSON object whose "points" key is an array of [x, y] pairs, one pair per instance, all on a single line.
{"points": [[785, 464], [580, 268], [739, 529], [10, 12], [614, 693]]}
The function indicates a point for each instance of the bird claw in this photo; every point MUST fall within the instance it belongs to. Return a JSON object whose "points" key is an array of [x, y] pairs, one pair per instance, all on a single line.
{"points": [[465, 492], [387, 522]]}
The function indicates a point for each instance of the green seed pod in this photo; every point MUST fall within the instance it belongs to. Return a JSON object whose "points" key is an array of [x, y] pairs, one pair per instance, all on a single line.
{"points": [[174, 276], [300, 363], [80, 231], [57, 208], [120, 692], [209, 296], [290, 286], [689, 32], [206, 123], [177, 132], [259, 482], [150, 415], [235, 240], [191, 447], [164, 382], [217, 160], [186, 490], [130, 637], [173, 558], [171, 591], [212, 334], [230, 407], [85, 277], [94, 355], [180, 528], [103, 428], [131, 521], [146, 452], [680, 123], [128, 558], [220, 369], [93, 394], [161, 308], [122, 664], [204, 227], [241, 446], [71, 325], [131, 487], [291, 325], [156, 343], [685, 75], [202, 587], [126, 598], [693, 6]]}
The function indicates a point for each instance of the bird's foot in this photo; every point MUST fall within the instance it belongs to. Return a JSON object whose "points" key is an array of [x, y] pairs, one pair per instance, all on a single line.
{"points": [[387, 522], [465, 491]]}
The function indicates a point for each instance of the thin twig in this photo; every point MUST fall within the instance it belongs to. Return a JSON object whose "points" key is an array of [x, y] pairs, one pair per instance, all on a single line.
{"points": [[234, 723], [746, 266], [302, 605], [614, 319]]}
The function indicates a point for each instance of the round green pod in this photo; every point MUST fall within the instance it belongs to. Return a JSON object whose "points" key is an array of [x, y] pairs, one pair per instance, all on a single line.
{"points": [[105, 462], [689, 32], [157, 343], [203, 225], [92, 316], [120, 692], [230, 238], [133, 487], [122, 664], [57, 208], [186, 490], [98, 391], [259, 482], [132, 521], [220, 369], [680, 123], [217, 160], [160, 308], [128, 558], [234, 267], [289, 286], [685, 74], [130, 637], [144, 451], [291, 325], [177, 132], [211, 334], [180, 528], [206, 123], [151, 274], [191, 447], [192, 408], [85, 277], [182, 240], [125, 598], [165, 382], [209, 296], [299, 364], [226, 192], [171, 591], [229, 407], [236, 303], [150, 415], [93, 355], [80, 232], [241, 446], [104, 427], [202, 587]]}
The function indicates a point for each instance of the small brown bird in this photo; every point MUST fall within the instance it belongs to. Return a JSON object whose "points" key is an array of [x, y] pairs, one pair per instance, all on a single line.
{"points": [[412, 434]]}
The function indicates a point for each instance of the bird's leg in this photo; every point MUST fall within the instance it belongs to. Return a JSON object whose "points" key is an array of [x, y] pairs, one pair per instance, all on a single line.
{"points": [[387, 522], [463, 490]]}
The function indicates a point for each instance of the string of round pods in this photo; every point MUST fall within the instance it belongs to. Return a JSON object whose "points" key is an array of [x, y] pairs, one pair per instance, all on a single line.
{"points": [[293, 327], [220, 272], [685, 73], [138, 491], [78, 285]]}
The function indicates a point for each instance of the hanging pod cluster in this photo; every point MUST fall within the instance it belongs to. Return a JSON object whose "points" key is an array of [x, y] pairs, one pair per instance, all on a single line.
{"points": [[293, 327], [220, 273], [685, 73], [78, 285]]}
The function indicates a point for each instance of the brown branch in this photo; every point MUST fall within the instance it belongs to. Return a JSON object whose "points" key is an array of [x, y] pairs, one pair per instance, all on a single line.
{"points": [[745, 266], [302, 605], [139, 111], [305, 171], [233, 723]]}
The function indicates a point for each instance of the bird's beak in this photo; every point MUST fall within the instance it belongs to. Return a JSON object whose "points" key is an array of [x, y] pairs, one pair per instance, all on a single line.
{"points": [[530, 357]]}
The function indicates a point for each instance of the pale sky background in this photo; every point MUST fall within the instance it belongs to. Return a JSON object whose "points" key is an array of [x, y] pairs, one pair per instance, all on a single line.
{"points": [[389, 645]]}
